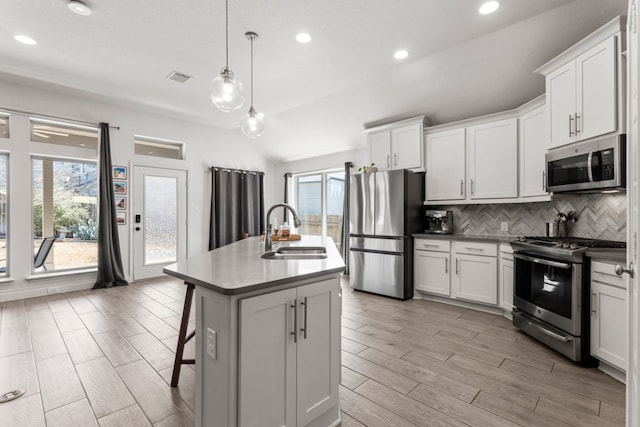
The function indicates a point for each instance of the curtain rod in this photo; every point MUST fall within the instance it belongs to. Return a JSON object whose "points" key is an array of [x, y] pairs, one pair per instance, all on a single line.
{"points": [[31, 113], [235, 170]]}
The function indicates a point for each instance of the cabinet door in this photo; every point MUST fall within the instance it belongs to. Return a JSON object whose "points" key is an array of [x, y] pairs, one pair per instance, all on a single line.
{"points": [[379, 148], [505, 283], [432, 272], [476, 278], [493, 159], [267, 362], [609, 324], [597, 90], [533, 146], [561, 105], [318, 349], [445, 177], [406, 147]]}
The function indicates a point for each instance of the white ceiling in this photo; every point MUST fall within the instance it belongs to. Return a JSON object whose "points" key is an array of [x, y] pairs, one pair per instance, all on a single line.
{"points": [[317, 98]]}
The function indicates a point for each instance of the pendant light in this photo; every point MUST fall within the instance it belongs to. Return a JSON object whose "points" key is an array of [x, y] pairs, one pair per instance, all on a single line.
{"points": [[252, 124], [227, 93]]}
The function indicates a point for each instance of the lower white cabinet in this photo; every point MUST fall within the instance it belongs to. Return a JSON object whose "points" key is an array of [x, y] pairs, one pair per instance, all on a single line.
{"points": [[475, 278], [609, 315], [289, 364], [432, 266], [505, 279]]}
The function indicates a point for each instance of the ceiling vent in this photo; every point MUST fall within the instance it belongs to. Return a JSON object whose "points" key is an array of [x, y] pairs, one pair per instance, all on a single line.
{"points": [[179, 77]]}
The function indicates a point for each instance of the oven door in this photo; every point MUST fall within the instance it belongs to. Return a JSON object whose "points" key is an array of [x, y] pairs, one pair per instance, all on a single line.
{"points": [[549, 290]]}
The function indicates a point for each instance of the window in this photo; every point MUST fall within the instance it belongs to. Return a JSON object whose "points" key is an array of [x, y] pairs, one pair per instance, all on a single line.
{"points": [[159, 148], [63, 134], [4, 126], [65, 206], [319, 199], [4, 211]]}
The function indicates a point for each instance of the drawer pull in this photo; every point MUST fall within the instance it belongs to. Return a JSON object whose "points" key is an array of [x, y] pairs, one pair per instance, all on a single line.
{"points": [[469, 248]]}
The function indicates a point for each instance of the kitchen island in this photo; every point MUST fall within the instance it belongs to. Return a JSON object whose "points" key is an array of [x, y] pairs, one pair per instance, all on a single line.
{"points": [[267, 335]]}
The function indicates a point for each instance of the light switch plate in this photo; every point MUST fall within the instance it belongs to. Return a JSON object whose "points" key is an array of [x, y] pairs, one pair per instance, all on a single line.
{"points": [[212, 346], [504, 226]]}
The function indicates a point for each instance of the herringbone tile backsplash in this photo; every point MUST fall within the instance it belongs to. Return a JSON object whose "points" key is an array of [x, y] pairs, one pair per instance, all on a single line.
{"points": [[600, 216]]}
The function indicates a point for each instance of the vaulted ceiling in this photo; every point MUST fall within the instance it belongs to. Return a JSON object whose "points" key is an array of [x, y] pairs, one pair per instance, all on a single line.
{"points": [[317, 97]]}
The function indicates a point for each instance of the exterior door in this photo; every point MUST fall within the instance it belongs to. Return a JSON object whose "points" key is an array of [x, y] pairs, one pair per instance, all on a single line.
{"points": [[159, 219]]}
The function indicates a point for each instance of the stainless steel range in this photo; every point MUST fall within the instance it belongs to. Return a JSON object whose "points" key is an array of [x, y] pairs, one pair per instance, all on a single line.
{"points": [[551, 295]]}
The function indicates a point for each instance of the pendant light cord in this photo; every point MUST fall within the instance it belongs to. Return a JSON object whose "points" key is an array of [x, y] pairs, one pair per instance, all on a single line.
{"points": [[252, 70], [226, 29]]}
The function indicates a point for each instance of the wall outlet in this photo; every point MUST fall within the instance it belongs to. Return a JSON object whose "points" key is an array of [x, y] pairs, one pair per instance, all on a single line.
{"points": [[504, 226], [212, 347], [53, 290]]}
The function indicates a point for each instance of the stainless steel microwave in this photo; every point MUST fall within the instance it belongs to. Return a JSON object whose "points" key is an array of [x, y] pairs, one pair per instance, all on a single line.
{"points": [[588, 166]]}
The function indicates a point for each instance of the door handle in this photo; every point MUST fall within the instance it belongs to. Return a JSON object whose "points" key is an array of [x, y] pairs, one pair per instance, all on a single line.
{"points": [[620, 269], [593, 304], [304, 328], [294, 306], [570, 125], [472, 186]]}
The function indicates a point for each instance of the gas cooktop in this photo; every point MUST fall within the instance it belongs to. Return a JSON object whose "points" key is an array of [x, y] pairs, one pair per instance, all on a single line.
{"points": [[570, 248]]}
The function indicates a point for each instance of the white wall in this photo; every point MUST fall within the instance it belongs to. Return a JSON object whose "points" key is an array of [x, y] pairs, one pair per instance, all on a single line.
{"points": [[358, 157], [205, 146]]}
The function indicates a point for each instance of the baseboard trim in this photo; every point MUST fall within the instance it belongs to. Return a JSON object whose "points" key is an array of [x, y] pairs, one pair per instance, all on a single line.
{"points": [[45, 290], [473, 306]]}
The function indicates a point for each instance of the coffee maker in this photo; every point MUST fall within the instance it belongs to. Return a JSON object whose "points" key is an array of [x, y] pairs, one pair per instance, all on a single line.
{"points": [[439, 222]]}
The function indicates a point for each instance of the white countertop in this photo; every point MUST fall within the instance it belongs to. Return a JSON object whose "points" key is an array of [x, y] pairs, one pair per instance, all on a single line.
{"points": [[237, 268]]}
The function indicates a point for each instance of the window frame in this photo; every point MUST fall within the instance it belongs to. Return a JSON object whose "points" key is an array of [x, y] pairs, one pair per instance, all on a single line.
{"points": [[182, 146]]}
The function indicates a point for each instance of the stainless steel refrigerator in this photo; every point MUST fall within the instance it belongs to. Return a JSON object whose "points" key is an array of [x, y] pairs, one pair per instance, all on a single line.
{"points": [[385, 210]]}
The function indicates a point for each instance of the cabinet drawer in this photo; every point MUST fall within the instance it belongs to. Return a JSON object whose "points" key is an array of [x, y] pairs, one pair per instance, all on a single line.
{"points": [[433, 245], [603, 272], [476, 248]]}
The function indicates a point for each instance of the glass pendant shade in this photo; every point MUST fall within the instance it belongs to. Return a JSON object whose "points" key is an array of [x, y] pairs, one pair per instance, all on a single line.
{"points": [[227, 93], [252, 124]]}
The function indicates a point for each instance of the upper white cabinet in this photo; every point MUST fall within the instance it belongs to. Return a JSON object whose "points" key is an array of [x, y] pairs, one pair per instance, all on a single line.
{"points": [[493, 159], [398, 145], [585, 87], [532, 143], [445, 177], [476, 161]]}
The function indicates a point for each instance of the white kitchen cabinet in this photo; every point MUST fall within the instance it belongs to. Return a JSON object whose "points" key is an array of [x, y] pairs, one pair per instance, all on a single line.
{"points": [[289, 349], [445, 177], [505, 279], [432, 266], [609, 315], [492, 159], [475, 272], [532, 148], [398, 145], [585, 87]]}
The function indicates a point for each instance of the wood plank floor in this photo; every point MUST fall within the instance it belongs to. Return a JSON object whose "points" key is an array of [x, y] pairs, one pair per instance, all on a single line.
{"points": [[105, 358]]}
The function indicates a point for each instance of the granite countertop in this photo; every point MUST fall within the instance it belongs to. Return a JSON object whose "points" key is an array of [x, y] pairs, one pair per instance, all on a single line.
{"points": [[497, 238], [237, 268]]}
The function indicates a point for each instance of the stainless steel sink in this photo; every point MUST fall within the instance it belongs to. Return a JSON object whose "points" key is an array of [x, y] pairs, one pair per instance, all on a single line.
{"points": [[297, 252]]}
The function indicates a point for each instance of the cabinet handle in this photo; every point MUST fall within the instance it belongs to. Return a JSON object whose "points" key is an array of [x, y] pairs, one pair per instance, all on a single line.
{"points": [[593, 303], [471, 186], [462, 187], [395, 159], [469, 248], [576, 124], [570, 125], [544, 181], [388, 161], [457, 270], [304, 329], [295, 320], [446, 266]]}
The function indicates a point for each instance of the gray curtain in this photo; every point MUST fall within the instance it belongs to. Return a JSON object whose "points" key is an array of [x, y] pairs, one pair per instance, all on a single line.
{"points": [[110, 271], [285, 212], [237, 205], [345, 216]]}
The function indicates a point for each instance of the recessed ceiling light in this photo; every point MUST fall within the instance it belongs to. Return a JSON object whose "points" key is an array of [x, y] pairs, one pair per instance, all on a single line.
{"points": [[303, 38], [401, 54], [79, 7], [25, 39], [489, 7]]}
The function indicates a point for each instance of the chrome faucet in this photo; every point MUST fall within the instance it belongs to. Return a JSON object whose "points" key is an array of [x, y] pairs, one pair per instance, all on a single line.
{"points": [[267, 237]]}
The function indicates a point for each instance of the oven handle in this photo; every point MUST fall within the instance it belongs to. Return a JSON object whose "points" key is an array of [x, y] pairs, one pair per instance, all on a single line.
{"points": [[549, 333], [543, 261]]}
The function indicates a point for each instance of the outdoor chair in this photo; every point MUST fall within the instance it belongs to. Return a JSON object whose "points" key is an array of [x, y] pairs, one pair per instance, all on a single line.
{"points": [[41, 256]]}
